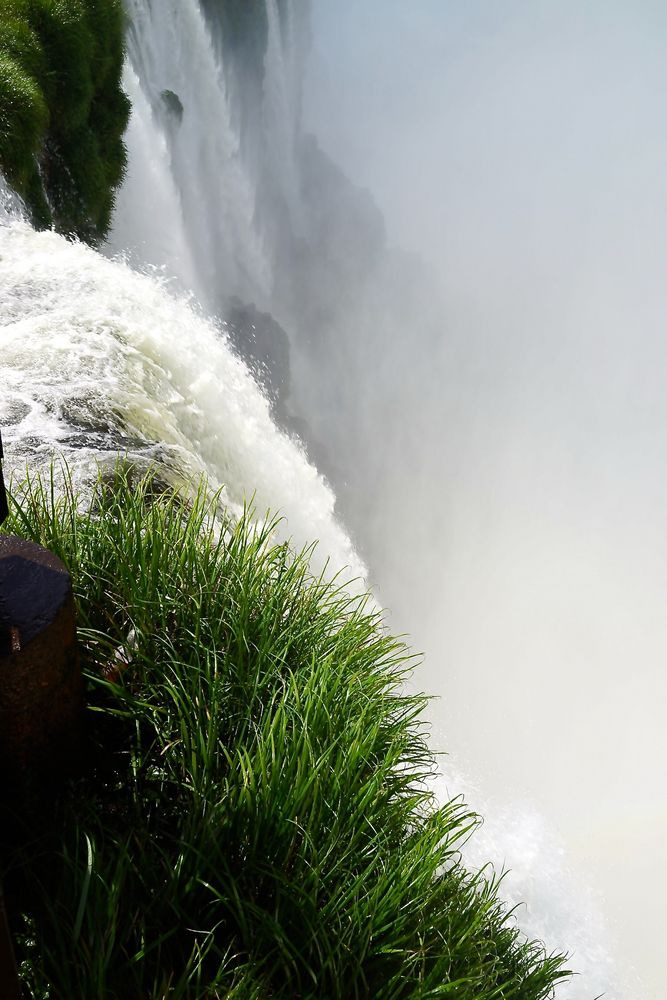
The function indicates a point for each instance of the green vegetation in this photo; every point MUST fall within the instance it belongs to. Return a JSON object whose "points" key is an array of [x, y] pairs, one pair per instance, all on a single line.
{"points": [[62, 110], [254, 822]]}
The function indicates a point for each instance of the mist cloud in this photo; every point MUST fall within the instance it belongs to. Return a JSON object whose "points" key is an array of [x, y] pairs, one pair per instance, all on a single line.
{"points": [[518, 518]]}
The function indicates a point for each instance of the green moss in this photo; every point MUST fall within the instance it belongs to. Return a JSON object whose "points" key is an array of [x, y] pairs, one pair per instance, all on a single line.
{"points": [[23, 118], [254, 821], [62, 110]]}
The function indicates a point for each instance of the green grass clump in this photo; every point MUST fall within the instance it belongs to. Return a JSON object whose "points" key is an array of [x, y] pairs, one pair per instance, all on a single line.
{"points": [[62, 110], [253, 822]]}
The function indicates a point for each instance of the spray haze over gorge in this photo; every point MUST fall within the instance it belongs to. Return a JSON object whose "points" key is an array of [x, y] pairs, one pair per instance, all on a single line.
{"points": [[518, 147], [435, 233]]}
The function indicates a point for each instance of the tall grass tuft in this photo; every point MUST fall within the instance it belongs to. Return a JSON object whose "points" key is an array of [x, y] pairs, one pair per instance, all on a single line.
{"points": [[253, 820]]}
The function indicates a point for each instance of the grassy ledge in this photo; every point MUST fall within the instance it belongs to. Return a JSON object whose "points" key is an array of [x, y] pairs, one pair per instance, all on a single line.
{"points": [[252, 822]]}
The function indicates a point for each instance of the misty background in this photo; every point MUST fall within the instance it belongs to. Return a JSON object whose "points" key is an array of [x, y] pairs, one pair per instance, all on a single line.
{"points": [[500, 418]]}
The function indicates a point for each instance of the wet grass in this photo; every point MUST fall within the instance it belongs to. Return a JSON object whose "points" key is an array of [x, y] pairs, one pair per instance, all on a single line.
{"points": [[253, 820]]}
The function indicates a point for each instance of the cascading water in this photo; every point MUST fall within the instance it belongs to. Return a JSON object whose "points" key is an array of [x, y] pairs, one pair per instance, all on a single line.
{"points": [[200, 181], [99, 360], [166, 57], [167, 243], [283, 72], [148, 374], [181, 137]]}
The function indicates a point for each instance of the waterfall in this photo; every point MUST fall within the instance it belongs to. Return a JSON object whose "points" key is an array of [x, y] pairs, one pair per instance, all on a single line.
{"points": [[221, 189], [182, 137], [98, 359], [283, 71], [166, 243]]}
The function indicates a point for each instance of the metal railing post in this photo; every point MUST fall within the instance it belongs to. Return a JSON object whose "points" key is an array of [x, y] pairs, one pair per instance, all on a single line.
{"points": [[41, 698]]}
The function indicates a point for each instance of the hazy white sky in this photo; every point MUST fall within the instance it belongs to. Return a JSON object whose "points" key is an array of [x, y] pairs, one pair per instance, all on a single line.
{"points": [[522, 147]]}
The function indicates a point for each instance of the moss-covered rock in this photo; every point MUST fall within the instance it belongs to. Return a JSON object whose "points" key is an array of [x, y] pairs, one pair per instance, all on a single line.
{"points": [[172, 104], [62, 109]]}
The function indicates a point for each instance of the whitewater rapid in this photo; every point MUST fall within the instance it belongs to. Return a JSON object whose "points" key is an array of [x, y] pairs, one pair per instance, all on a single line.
{"points": [[98, 360]]}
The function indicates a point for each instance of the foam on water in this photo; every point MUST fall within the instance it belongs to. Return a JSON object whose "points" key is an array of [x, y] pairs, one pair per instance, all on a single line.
{"points": [[550, 902], [97, 358]]}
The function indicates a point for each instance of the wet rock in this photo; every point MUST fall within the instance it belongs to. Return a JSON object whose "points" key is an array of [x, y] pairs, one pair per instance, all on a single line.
{"points": [[173, 104], [264, 345], [16, 411]]}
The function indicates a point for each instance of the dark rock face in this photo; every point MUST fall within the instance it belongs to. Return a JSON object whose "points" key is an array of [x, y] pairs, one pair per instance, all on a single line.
{"points": [[264, 345]]}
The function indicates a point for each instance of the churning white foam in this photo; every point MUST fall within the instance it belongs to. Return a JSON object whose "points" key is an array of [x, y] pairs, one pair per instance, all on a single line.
{"points": [[97, 357]]}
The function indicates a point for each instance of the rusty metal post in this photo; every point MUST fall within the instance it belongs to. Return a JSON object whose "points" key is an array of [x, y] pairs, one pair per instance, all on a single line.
{"points": [[41, 689], [41, 699]]}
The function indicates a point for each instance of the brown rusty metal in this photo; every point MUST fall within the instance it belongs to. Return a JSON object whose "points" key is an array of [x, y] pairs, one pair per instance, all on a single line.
{"points": [[41, 690]]}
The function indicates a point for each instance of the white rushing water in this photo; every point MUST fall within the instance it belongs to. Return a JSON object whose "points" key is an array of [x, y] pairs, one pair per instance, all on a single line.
{"points": [[549, 900], [98, 359], [281, 110], [185, 169]]}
